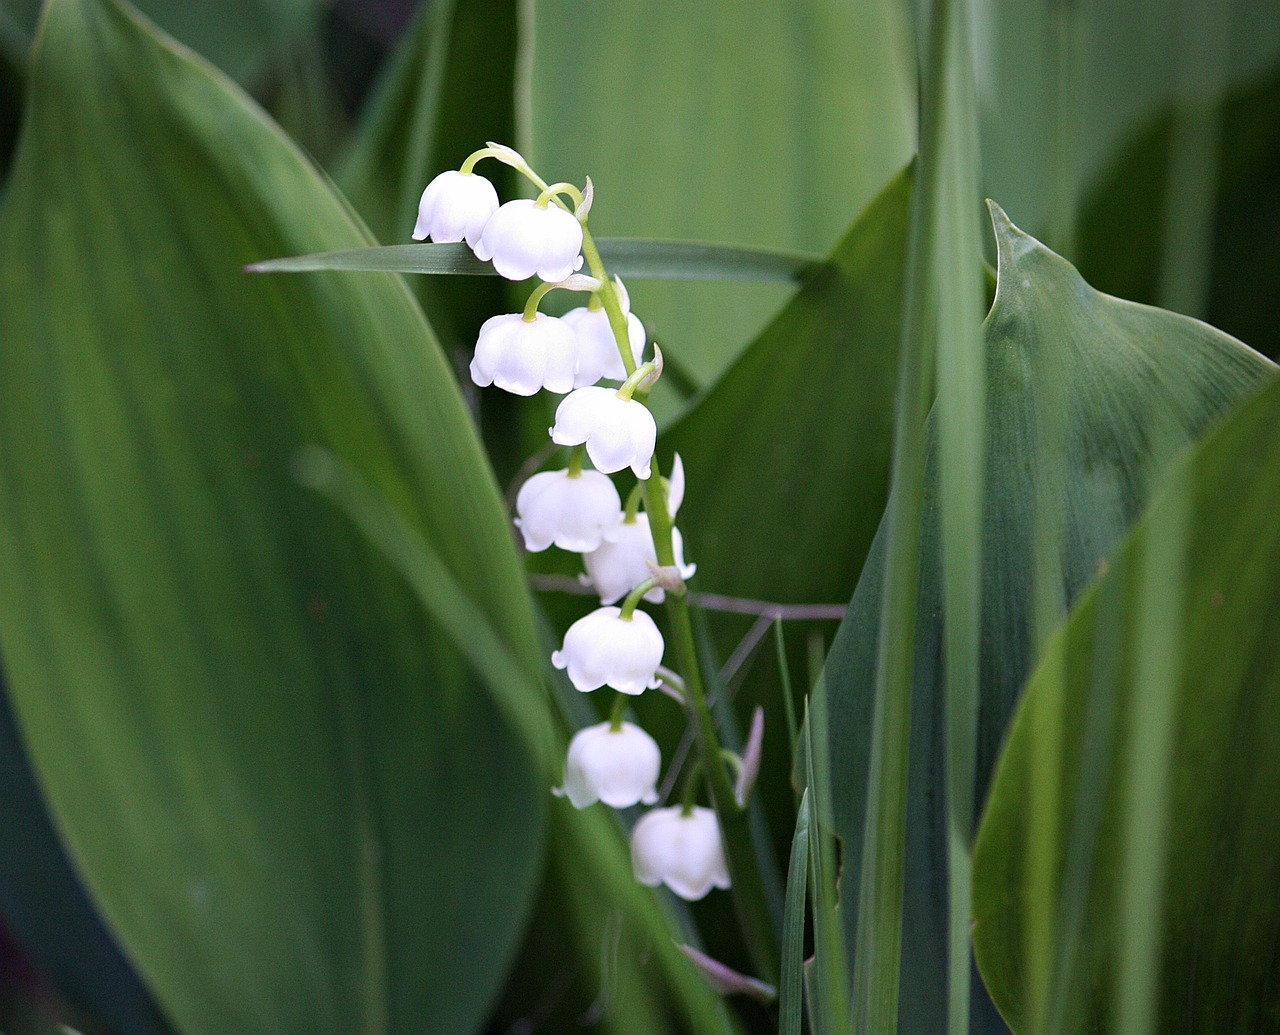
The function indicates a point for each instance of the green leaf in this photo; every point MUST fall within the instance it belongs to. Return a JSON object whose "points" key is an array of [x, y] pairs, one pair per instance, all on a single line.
{"points": [[790, 988], [1109, 75], [1115, 366], [1216, 909], [768, 448], [684, 260], [293, 805], [767, 126], [242, 37]]}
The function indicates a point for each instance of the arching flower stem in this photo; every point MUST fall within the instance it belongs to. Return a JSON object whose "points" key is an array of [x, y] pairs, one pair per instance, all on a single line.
{"points": [[747, 886], [619, 710], [633, 599], [633, 503], [555, 190], [576, 454], [535, 298]]}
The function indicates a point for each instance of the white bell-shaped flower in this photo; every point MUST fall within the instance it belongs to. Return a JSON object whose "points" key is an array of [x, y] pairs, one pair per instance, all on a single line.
{"points": [[618, 767], [597, 347], [574, 511], [523, 238], [683, 852], [617, 432], [523, 356], [455, 207], [623, 559], [605, 649]]}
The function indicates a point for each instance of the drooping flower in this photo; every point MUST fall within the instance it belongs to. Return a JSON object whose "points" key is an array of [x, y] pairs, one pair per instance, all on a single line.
{"points": [[618, 767], [523, 238], [523, 356], [617, 432], [597, 347], [605, 649], [574, 511], [623, 559], [455, 207], [683, 852]]}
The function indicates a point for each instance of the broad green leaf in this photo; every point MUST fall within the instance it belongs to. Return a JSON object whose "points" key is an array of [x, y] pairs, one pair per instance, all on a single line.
{"points": [[1217, 908], [767, 449], [242, 37], [1110, 71], [683, 260], [292, 805], [44, 907], [1115, 366], [758, 124]]}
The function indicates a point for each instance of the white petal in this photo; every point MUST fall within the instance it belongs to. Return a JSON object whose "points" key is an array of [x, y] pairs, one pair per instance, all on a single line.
{"points": [[522, 239], [575, 513], [455, 206], [683, 852]]}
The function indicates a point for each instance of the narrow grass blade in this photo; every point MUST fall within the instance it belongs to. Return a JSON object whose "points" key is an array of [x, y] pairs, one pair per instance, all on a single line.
{"points": [[791, 987], [631, 257]]}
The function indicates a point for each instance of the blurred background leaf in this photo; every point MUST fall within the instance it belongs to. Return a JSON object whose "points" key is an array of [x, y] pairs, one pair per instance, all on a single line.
{"points": [[778, 124], [1218, 906], [1113, 365], [277, 779]]}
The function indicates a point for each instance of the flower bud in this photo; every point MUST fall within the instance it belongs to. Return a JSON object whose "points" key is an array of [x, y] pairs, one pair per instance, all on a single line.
{"points": [[623, 559], [605, 649], [572, 511], [617, 432], [523, 238], [455, 207], [618, 767], [683, 852], [523, 356]]}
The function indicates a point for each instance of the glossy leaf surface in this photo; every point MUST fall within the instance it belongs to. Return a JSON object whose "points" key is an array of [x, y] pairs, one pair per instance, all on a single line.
{"points": [[1219, 908], [290, 806], [1112, 365]]}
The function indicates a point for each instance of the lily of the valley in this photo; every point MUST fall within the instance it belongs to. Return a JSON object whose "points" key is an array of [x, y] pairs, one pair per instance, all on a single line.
{"points": [[618, 767], [455, 207], [617, 432], [623, 559], [573, 511], [684, 852], [598, 355], [523, 238], [524, 356], [605, 649]]}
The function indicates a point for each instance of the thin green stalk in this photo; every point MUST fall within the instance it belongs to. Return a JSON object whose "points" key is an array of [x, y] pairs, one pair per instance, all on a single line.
{"points": [[1148, 773], [747, 885], [943, 189]]}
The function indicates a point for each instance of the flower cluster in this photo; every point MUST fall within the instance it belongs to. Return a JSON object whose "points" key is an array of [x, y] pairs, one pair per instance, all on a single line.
{"points": [[580, 510]]}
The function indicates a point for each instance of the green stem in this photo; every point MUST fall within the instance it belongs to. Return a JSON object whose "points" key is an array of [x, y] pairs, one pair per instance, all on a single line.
{"points": [[609, 299], [575, 461], [619, 709], [633, 599], [535, 297], [556, 189], [747, 886]]}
